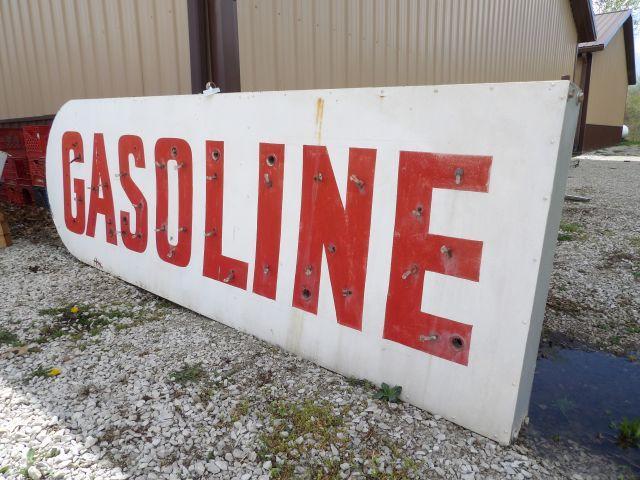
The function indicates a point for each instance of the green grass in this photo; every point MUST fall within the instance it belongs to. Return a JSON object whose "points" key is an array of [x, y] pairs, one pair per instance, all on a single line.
{"points": [[240, 410], [189, 374], [66, 321], [77, 320], [632, 115], [565, 237], [628, 143], [316, 422], [9, 338], [633, 329], [43, 372], [569, 231], [30, 460], [629, 433], [571, 227]]}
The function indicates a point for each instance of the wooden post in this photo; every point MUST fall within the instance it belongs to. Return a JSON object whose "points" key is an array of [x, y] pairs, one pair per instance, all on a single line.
{"points": [[5, 236]]}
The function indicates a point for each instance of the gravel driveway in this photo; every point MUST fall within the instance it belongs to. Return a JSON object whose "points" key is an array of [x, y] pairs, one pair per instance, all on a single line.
{"points": [[594, 298], [99, 379]]}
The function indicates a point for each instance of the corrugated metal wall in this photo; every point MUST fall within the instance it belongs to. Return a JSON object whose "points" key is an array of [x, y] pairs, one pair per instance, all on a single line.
{"points": [[609, 84], [51, 51], [297, 44]]}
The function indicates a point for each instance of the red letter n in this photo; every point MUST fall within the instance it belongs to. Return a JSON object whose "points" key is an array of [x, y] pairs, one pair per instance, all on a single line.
{"points": [[415, 251], [344, 233]]}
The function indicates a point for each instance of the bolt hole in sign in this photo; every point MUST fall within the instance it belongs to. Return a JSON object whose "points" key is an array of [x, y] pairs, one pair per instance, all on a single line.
{"points": [[401, 234]]}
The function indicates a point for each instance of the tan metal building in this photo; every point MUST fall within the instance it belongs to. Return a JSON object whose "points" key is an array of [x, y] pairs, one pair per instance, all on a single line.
{"points": [[54, 51], [606, 68]]}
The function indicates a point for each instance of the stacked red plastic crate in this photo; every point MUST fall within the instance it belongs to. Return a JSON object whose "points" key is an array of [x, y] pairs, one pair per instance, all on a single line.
{"points": [[35, 142], [15, 183]]}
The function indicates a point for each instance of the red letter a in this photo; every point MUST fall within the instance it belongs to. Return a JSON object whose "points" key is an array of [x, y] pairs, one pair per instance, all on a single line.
{"points": [[100, 182]]}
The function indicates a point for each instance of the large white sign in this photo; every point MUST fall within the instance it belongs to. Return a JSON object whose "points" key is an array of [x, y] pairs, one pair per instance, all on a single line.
{"points": [[404, 235]]}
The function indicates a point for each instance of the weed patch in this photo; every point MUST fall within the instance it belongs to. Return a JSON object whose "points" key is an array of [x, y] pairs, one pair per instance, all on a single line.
{"points": [[571, 227], [629, 433], [45, 372], [9, 338], [569, 232], [388, 393], [296, 429], [240, 410], [77, 320], [189, 374], [31, 459]]}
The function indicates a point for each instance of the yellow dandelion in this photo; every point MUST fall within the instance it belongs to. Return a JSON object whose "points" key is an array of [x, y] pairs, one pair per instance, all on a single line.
{"points": [[54, 372], [74, 309]]}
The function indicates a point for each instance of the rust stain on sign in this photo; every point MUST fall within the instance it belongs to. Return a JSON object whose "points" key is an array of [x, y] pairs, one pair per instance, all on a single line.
{"points": [[319, 115]]}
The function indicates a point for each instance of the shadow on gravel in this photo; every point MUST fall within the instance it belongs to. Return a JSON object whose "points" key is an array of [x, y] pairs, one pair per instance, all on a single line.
{"points": [[583, 397]]}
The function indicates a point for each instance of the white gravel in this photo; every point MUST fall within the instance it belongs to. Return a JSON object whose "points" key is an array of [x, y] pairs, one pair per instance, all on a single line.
{"points": [[594, 299], [250, 411]]}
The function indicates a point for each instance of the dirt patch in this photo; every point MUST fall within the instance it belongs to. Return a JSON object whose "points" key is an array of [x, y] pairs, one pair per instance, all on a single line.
{"points": [[31, 223]]}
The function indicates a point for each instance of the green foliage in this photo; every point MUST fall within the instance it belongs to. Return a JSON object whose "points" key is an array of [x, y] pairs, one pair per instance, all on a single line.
{"points": [[629, 433], [240, 410], [569, 231], [189, 373], [602, 6], [75, 320], [44, 372], [632, 114], [388, 393], [8, 338], [312, 421], [570, 227], [31, 459]]}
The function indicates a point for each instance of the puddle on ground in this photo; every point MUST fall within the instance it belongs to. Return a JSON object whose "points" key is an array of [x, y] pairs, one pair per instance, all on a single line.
{"points": [[578, 395]]}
